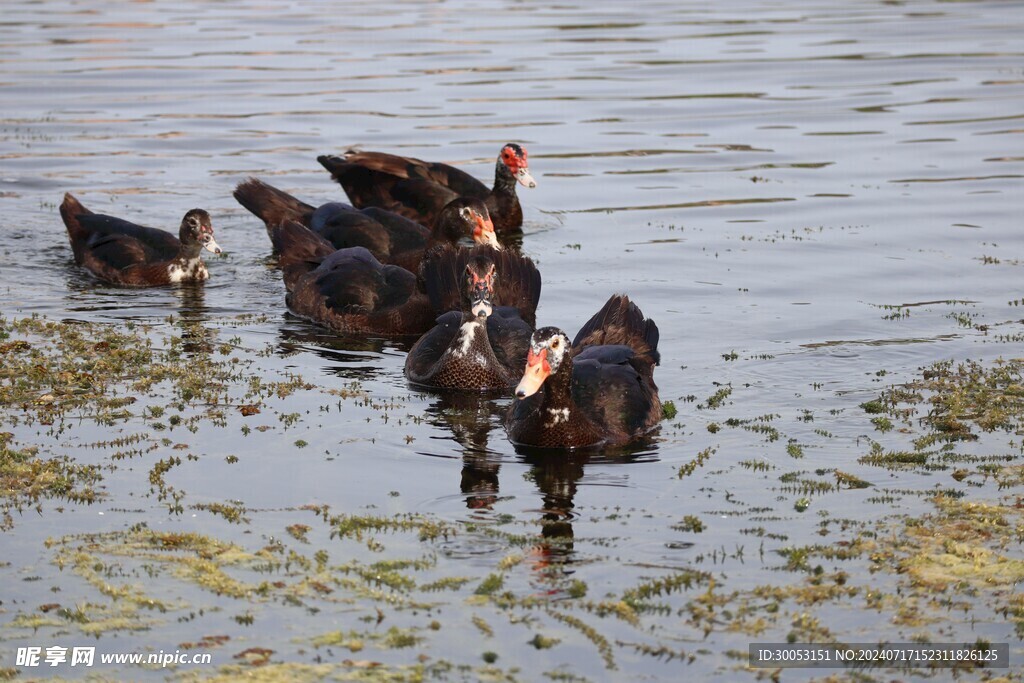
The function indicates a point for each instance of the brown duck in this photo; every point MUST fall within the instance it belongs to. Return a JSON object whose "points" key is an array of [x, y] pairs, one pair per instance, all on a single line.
{"points": [[392, 239], [598, 390], [483, 346], [419, 189], [124, 253], [349, 290]]}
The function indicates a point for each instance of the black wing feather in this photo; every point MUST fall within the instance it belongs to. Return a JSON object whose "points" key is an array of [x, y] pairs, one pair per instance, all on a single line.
{"points": [[158, 242], [430, 347], [620, 321], [119, 251], [518, 283]]}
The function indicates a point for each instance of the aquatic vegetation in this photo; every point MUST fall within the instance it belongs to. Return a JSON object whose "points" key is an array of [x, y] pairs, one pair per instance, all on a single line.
{"points": [[951, 405], [390, 575], [25, 478], [717, 399], [688, 469]]}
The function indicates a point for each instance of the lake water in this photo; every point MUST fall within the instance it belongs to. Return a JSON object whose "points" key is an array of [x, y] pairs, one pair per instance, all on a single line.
{"points": [[814, 201]]}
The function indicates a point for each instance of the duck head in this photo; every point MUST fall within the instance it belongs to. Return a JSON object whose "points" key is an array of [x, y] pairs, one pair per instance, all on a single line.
{"points": [[468, 217], [548, 348], [513, 157], [197, 229], [478, 290]]}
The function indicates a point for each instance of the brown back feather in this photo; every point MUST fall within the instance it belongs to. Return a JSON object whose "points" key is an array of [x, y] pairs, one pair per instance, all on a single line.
{"points": [[272, 205], [620, 321], [301, 250], [518, 284]]}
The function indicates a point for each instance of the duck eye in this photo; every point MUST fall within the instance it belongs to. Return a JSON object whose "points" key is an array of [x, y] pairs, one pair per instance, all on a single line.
{"points": [[554, 345]]}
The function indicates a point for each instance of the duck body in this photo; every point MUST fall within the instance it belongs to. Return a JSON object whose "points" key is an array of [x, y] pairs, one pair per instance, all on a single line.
{"points": [[392, 238], [348, 290], [598, 390], [122, 253], [458, 353], [482, 346], [419, 189]]}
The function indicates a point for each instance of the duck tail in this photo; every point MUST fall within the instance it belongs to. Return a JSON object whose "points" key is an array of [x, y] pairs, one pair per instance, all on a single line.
{"points": [[620, 321], [272, 205], [300, 250], [336, 165], [70, 210], [354, 178]]}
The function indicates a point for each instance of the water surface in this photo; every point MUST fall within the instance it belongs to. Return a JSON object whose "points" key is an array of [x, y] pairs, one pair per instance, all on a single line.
{"points": [[770, 182]]}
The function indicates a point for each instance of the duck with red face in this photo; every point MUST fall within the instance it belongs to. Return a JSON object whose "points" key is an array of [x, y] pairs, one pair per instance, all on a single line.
{"points": [[597, 390], [419, 189], [513, 156]]}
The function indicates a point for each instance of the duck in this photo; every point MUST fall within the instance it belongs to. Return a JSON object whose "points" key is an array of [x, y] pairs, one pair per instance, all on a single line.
{"points": [[482, 346], [420, 189], [597, 390], [350, 291], [123, 253], [392, 238]]}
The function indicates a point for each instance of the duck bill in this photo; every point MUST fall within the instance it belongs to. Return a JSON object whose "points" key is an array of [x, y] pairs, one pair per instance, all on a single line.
{"points": [[537, 370], [524, 177], [211, 246], [484, 232], [481, 305]]}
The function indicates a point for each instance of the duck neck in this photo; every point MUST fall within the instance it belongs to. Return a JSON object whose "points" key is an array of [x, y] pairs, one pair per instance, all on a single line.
{"points": [[558, 387], [189, 251], [472, 337], [504, 181], [445, 230]]}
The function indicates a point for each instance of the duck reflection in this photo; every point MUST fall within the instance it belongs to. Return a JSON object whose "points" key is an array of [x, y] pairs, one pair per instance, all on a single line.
{"points": [[471, 417], [557, 474], [354, 357], [196, 338], [557, 477]]}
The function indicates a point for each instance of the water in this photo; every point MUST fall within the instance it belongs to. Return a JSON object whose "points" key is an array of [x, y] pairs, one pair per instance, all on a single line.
{"points": [[766, 180]]}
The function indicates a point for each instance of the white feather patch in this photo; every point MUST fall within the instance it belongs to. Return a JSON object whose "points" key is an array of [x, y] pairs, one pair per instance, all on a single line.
{"points": [[466, 335], [558, 415], [193, 269]]}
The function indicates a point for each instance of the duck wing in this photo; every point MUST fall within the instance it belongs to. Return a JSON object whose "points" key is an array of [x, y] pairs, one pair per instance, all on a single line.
{"points": [[419, 199], [158, 245], [509, 335], [615, 389], [352, 280], [118, 251], [421, 362], [411, 187], [518, 283], [300, 250], [387, 235], [620, 321], [460, 182]]}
